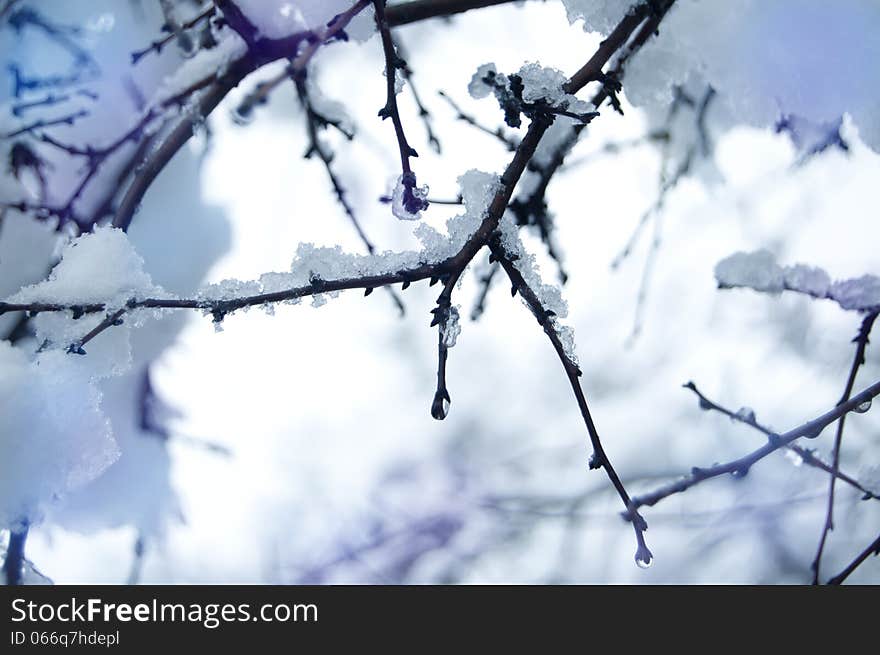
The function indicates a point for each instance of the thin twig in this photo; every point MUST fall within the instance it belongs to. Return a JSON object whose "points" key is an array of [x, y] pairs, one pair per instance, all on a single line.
{"points": [[872, 549], [316, 147], [807, 456], [411, 202], [861, 340], [740, 467], [424, 114], [510, 142]]}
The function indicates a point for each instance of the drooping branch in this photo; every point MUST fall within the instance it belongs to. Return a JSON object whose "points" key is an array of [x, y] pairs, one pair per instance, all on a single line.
{"points": [[861, 340], [573, 372]]}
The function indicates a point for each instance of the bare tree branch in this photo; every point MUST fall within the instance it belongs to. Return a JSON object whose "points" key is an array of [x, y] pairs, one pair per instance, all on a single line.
{"points": [[861, 341], [806, 455], [872, 549], [740, 467]]}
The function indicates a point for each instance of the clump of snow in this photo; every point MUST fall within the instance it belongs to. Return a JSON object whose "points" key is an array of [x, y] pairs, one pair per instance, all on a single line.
{"points": [[97, 267], [746, 414], [598, 15], [807, 279], [549, 295], [313, 264], [275, 19], [542, 83], [761, 57], [535, 84], [757, 270], [477, 87], [333, 110], [100, 267], [860, 293], [230, 288], [53, 436]]}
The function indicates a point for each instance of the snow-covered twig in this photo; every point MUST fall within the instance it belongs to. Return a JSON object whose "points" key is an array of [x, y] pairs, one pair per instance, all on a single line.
{"points": [[448, 269]]}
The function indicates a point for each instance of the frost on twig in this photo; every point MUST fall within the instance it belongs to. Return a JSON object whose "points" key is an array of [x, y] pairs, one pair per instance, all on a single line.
{"points": [[533, 90], [759, 270]]}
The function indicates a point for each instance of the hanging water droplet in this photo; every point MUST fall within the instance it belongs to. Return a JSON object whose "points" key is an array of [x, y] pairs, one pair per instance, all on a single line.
{"points": [[644, 560], [440, 406], [864, 407]]}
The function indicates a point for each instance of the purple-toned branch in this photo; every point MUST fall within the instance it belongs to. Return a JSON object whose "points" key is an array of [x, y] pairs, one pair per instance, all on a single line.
{"points": [[411, 202], [872, 549], [861, 340], [740, 467], [807, 455]]}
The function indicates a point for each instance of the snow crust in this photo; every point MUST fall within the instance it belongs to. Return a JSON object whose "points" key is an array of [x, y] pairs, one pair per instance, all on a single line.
{"points": [[759, 271], [802, 58]]}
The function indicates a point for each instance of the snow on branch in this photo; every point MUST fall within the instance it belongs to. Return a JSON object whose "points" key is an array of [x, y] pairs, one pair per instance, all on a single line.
{"points": [[543, 96], [759, 271]]}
